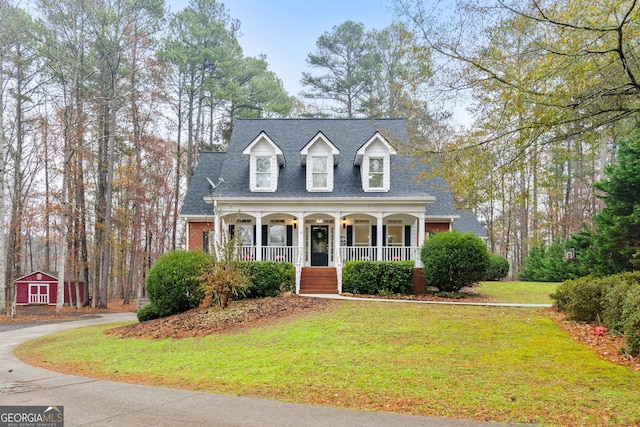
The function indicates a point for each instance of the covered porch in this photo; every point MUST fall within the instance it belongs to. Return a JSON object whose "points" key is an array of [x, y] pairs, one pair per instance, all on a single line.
{"points": [[312, 239]]}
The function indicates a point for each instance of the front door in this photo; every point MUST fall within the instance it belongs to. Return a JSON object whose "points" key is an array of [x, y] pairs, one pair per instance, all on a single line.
{"points": [[320, 245], [38, 294]]}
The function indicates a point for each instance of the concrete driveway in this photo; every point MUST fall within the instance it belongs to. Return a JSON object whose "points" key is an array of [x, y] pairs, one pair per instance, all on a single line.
{"points": [[89, 402]]}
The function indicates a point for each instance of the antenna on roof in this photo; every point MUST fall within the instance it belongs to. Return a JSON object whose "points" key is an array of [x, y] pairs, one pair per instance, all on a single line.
{"points": [[213, 186]]}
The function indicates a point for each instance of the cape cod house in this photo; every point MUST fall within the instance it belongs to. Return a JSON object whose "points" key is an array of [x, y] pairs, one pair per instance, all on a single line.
{"points": [[318, 193]]}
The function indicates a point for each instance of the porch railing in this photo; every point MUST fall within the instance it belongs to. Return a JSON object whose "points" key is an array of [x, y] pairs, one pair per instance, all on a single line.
{"points": [[389, 253], [272, 253], [280, 253]]}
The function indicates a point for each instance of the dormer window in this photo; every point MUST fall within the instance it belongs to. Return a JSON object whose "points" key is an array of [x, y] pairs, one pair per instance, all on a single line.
{"points": [[320, 175], [374, 159], [265, 160], [320, 156], [263, 172], [376, 172]]}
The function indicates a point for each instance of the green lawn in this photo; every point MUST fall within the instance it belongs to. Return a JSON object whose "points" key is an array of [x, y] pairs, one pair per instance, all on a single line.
{"points": [[485, 363], [519, 292]]}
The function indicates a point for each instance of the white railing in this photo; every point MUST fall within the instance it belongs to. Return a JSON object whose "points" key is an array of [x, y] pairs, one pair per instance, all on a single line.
{"points": [[248, 253], [389, 253], [271, 253], [357, 253], [280, 253], [401, 253]]}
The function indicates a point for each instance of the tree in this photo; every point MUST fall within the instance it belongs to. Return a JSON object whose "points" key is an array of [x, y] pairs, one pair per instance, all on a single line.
{"points": [[4, 13], [345, 55], [454, 260], [618, 225], [201, 47], [550, 85], [251, 90]]}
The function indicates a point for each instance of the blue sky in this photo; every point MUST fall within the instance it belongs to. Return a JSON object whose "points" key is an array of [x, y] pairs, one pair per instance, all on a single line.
{"points": [[286, 30]]}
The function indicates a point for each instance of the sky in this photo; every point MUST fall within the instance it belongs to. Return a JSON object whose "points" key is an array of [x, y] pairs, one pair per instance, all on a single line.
{"points": [[286, 30]]}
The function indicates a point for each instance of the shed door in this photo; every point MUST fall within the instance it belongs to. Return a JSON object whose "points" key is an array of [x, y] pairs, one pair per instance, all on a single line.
{"points": [[38, 293]]}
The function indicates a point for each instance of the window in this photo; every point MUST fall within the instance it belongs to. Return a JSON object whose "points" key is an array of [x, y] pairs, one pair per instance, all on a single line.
{"points": [[361, 235], [263, 172], [276, 235], [376, 172], [394, 235], [244, 234], [320, 172]]}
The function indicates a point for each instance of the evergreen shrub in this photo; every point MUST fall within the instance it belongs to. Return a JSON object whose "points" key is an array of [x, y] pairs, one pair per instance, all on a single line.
{"points": [[377, 277], [172, 282], [498, 268], [268, 278], [453, 260]]}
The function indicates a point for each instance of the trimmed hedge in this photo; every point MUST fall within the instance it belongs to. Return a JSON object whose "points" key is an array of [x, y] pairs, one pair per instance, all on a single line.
{"points": [[172, 283], [375, 277], [268, 278], [453, 260], [611, 300]]}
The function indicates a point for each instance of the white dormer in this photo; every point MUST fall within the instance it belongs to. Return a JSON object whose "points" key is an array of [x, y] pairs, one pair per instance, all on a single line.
{"points": [[265, 160], [320, 156], [374, 159]]}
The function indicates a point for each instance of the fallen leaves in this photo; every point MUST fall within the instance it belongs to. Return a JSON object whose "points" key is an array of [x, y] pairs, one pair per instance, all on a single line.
{"points": [[200, 322]]}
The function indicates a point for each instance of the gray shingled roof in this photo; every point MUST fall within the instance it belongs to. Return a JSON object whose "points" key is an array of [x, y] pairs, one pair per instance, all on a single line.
{"points": [[291, 135]]}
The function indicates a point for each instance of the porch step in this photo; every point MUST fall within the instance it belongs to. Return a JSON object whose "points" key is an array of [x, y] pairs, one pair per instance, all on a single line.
{"points": [[319, 280]]}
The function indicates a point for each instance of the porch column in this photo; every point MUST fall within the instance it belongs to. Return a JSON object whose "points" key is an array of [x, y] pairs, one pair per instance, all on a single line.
{"points": [[259, 236], [421, 230], [216, 229], [301, 237], [380, 236], [336, 240]]}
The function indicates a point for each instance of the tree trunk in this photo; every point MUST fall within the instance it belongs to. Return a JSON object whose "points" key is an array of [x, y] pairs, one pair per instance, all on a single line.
{"points": [[3, 257]]}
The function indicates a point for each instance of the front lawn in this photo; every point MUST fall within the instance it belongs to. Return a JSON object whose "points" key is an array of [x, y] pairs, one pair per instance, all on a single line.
{"points": [[483, 363], [518, 292]]}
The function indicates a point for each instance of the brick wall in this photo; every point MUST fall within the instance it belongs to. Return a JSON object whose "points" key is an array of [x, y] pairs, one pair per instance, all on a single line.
{"points": [[195, 233]]}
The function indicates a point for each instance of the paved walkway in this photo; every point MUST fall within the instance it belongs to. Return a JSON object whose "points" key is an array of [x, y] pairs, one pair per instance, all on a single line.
{"points": [[89, 402]]}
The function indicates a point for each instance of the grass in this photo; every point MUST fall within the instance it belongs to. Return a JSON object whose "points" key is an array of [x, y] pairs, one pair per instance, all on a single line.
{"points": [[484, 363], [519, 292]]}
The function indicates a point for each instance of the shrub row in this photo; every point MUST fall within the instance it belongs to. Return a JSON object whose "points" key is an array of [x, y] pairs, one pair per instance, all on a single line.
{"points": [[375, 277], [173, 287], [612, 300], [269, 278]]}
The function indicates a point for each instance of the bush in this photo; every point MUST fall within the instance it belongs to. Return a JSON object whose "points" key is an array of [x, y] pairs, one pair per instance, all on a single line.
{"points": [[631, 316], [613, 297], [498, 268], [548, 263], [148, 312], [268, 278], [454, 260], [580, 299], [172, 283], [377, 277]]}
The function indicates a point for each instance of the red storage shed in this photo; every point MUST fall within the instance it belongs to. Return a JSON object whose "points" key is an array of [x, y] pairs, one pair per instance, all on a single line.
{"points": [[42, 288]]}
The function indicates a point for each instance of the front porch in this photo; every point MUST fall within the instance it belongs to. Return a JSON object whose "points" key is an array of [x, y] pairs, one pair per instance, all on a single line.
{"points": [[298, 233]]}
